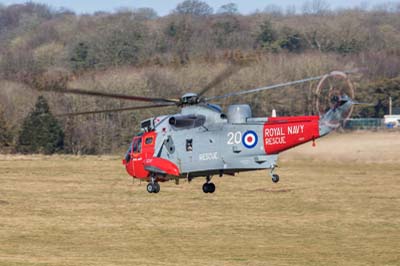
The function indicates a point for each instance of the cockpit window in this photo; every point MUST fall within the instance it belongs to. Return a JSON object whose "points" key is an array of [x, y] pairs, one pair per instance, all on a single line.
{"points": [[128, 154], [149, 140], [137, 145]]}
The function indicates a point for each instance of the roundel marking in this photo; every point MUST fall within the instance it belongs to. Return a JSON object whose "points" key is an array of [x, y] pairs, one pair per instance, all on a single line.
{"points": [[250, 139]]}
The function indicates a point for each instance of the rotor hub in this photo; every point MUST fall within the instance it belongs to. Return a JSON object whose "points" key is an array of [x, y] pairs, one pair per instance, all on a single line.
{"points": [[190, 99]]}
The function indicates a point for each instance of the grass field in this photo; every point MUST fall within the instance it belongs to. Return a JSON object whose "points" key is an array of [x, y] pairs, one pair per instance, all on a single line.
{"points": [[336, 204]]}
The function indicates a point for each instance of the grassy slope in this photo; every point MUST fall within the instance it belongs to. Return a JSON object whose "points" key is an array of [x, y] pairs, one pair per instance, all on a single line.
{"points": [[328, 209]]}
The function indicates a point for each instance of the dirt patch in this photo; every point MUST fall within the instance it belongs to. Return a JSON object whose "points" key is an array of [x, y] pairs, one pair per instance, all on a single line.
{"points": [[268, 190], [3, 202]]}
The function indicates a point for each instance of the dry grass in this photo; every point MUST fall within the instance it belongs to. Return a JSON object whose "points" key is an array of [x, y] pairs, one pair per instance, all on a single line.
{"points": [[328, 209]]}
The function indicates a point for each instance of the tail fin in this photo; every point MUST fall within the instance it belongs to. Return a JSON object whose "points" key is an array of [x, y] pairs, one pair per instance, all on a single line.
{"points": [[341, 110]]}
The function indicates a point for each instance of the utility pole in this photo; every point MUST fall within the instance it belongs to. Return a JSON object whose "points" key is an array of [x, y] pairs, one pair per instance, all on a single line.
{"points": [[390, 105]]}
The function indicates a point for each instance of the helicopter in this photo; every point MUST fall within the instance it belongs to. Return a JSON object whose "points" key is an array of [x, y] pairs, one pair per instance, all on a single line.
{"points": [[204, 141]]}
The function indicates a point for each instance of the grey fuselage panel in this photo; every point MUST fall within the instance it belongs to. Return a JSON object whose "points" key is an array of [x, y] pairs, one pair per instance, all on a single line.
{"points": [[215, 147]]}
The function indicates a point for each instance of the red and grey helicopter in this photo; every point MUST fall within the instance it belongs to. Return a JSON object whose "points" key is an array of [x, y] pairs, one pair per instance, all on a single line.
{"points": [[204, 141]]}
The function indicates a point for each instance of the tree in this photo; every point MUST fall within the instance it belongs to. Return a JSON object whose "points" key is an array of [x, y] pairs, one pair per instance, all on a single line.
{"points": [[228, 9], [40, 131], [291, 40], [80, 57], [290, 10], [145, 13], [224, 30], [180, 32], [118, 41], [273, 10], [316, 7], [267, 35], [5, 135], [13, 16], [194, 7]]}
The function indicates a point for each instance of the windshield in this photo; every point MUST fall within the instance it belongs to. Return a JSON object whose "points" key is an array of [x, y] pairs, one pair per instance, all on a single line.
{"points": [[128, 154], [137, 145]]}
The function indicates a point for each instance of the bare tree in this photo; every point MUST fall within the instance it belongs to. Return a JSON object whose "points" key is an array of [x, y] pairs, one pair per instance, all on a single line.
{"points": [[291, 10], [193, 7], [145, 13], [316, 7], [273, 10], [388, 7], [228, 9]]}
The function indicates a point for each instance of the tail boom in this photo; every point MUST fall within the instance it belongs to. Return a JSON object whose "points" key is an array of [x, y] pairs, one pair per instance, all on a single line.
{"points": [[282, 133]]}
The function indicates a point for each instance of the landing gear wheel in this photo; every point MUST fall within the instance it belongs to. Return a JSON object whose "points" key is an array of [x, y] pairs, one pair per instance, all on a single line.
{"points": [[153, 187], [211, 187], [205, 188], [156, 188], [275, 178], [150, 187], [208, 188]]}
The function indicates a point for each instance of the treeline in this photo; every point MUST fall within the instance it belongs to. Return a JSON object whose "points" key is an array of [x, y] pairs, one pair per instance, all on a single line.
{"points": [[35, 38], [140, 53]]}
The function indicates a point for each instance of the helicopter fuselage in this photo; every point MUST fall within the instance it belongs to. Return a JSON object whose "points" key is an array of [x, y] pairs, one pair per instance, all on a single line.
{"points": [[202, 141]]}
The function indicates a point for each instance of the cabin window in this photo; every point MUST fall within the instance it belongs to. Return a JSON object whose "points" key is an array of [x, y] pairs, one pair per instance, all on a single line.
{"points": [[149, 140], [128, 154], [137, 145], [189, 145]]}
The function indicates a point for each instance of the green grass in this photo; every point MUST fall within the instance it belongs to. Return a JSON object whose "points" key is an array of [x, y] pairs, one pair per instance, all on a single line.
{"points": [[87, 211]]}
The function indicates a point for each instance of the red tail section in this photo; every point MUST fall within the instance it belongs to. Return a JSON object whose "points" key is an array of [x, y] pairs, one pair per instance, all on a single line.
{"points": [[282, 133]]}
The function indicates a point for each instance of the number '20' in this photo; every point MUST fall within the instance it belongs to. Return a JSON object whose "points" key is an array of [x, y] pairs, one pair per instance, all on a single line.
{"points": [[234, 137]]}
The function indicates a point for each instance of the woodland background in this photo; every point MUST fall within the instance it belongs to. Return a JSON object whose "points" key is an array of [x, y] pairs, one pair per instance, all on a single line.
{"points": [[135, 51]]}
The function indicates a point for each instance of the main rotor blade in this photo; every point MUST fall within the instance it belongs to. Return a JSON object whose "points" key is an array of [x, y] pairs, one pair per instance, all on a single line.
{"points": [[263, 88], [113, 95], [117, 110], [362, 103], [229, 71], [276, 86]]}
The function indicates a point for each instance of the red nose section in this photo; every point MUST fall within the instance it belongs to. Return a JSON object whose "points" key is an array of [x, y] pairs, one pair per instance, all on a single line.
{"points": [[282, 133], [140, 162], [161, 166], [128, 167]]}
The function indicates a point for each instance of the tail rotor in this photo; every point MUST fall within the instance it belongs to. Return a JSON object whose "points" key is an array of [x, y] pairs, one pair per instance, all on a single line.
{"points": [[334, 100]]}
